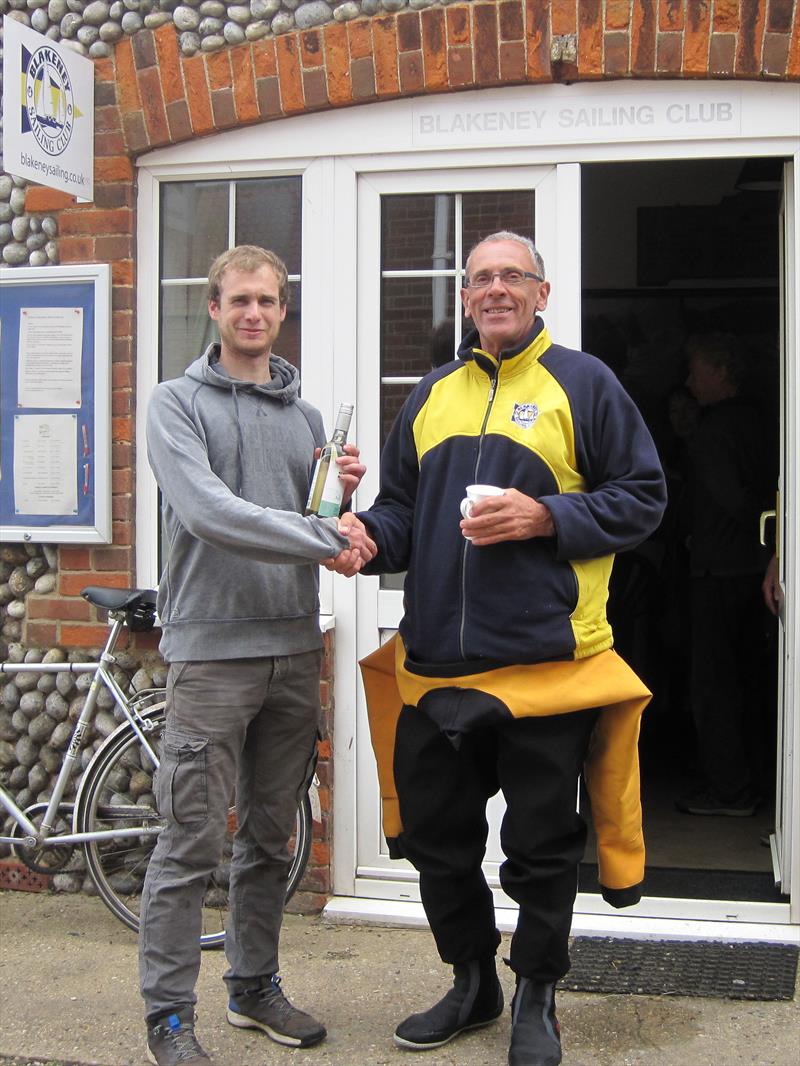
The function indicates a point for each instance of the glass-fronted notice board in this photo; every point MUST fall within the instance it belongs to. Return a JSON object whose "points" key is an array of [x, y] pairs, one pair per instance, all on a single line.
{"points": [[55, 384]]}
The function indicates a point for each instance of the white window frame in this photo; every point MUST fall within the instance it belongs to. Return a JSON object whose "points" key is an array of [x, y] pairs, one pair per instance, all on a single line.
{"points": [[316, 314]]}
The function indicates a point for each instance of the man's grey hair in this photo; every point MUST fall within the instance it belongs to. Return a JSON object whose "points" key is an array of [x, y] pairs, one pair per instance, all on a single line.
{"points": [[507, 235]]}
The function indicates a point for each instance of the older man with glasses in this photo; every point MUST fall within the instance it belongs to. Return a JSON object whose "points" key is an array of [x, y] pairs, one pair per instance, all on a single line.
{"points": [[503, 675]]}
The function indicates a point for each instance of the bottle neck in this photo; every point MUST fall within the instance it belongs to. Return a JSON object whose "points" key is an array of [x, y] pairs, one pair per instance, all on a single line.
{"points": [[342, 424]]}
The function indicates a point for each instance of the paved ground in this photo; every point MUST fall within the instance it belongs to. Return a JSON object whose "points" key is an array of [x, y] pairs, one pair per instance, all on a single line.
{"points": [[68, 997]]}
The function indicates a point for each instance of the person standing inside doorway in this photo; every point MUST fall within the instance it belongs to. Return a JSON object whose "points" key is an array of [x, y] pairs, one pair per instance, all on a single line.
{"points": [[731, 474], [504, 658], [232, 446]]}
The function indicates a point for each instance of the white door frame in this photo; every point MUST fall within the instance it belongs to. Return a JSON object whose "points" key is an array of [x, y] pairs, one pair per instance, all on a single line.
{"points": [[380, 610], [786, 853]]}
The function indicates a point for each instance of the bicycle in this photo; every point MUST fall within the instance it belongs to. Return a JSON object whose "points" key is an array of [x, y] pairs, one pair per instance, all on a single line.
{"points": [[114, 817]]}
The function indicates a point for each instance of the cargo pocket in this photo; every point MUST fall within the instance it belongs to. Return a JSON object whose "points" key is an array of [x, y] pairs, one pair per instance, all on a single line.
{"points": [[181, 787]]}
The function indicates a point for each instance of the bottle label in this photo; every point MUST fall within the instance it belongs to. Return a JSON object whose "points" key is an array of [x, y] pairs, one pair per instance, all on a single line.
{"points": [[330, 503], [326, 490]]}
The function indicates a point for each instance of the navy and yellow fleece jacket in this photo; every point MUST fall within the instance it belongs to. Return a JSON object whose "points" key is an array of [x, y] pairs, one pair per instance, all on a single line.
{"points": [[554, 424]]}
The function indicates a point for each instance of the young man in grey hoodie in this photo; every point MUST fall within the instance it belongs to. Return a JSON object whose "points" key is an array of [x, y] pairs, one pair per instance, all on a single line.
{"points": [[232, 445]]}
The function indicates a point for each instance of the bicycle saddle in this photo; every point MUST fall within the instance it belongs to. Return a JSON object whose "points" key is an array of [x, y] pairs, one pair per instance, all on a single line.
{"points": [[119, 599]]}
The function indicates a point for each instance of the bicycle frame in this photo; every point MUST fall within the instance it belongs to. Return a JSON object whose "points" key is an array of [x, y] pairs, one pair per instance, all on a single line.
{"points": [[102, 676]]}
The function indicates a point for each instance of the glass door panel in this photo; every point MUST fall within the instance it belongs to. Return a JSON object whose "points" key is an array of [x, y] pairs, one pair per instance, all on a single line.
{"points": [[416, 325], [417, 232], [425, 239], [268, 213]]}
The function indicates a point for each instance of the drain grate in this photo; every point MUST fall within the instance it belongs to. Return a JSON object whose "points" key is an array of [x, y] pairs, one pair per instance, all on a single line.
{"points": [[684, 968]]}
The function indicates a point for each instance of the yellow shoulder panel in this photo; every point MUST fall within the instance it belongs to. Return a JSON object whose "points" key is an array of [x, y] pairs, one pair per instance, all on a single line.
{"points": [[455, 407], [530, 408]]}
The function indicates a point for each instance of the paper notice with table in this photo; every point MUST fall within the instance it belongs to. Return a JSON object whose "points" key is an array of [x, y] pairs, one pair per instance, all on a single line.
{"points": [[50, 347], [46, 464]]}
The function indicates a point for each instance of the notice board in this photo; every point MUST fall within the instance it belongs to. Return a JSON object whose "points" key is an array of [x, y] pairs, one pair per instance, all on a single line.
{"points": [[55, 404]]}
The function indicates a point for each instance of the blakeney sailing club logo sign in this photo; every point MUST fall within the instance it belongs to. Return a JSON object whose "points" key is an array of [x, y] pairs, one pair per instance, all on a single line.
{"points": [[48, 109], [48, 104]]}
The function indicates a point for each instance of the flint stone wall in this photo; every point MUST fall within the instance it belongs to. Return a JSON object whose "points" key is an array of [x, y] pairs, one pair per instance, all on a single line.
{"points": [[38, 711]]}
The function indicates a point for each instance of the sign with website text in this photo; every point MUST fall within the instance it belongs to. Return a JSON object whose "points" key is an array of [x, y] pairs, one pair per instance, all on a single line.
{"points": [[48, 111]]}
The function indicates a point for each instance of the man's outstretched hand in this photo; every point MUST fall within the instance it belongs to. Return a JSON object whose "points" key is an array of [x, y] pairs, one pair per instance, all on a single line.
{"points": [[362, 548]]}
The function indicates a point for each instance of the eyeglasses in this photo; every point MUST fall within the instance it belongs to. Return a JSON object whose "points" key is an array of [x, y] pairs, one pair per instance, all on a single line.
{"points": [[509, 277]]}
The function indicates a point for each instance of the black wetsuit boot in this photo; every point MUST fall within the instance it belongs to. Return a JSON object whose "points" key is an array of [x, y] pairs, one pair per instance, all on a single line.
{"points": [[476, 999]]}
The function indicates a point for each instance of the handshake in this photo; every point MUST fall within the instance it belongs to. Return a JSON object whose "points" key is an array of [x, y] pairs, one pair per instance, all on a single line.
{"points": [[362, 547]]}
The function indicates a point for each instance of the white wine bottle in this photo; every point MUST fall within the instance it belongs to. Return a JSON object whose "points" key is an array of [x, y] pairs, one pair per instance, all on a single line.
{"points": [[325, 495]]}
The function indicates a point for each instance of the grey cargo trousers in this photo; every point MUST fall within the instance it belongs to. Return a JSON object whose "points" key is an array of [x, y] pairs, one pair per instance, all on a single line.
{"points": [[249, 722]]}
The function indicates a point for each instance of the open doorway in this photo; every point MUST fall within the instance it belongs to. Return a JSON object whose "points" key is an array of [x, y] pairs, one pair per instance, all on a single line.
{"points": [[672, 251]]}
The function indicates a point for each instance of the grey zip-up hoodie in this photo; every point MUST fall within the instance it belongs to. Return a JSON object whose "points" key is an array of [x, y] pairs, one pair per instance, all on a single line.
{"points": [[233, 461]]}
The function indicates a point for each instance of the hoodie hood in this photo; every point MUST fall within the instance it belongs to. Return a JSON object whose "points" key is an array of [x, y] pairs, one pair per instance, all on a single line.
{"points": [[283, 386]]}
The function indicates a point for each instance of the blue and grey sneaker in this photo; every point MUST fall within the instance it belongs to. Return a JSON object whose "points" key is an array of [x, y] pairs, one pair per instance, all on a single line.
{"points": [[265, 1007], [171, 1041]]}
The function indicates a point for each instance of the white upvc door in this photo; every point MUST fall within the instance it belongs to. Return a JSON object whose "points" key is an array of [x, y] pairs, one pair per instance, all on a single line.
{"points": [[786, 854], [454, 201]]}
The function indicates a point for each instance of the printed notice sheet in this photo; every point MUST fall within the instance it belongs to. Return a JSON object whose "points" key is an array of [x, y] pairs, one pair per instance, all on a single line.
{"points": [[46, 464], [50, 346]]}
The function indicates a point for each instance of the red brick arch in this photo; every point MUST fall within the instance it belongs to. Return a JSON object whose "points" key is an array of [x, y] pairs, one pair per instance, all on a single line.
{"points": [[165, 98]]}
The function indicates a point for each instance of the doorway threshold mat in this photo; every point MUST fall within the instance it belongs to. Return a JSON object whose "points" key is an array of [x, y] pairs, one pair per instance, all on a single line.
{"points": [[682, 968]]}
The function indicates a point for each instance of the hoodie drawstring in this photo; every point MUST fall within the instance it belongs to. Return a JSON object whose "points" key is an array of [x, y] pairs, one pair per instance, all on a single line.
{"points": [[239, 442]]}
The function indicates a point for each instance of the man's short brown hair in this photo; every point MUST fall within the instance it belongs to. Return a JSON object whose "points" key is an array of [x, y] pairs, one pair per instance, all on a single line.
{"points": [[248, 258]]}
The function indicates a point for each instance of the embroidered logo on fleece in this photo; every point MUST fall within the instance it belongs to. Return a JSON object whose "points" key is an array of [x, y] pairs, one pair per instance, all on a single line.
{"points": [[525, 414]]}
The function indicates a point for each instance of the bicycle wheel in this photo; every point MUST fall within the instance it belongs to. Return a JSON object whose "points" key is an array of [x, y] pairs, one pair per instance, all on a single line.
{"points": [[300, 845], [117, 792]]}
